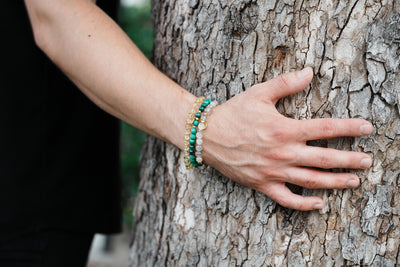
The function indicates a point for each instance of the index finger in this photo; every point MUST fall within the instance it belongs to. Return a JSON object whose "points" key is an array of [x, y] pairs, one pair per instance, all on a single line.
{"points": [[315, 129]]}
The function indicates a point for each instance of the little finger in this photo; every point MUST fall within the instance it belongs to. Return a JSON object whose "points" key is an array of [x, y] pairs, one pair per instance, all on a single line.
{"points": [[280, 193]]}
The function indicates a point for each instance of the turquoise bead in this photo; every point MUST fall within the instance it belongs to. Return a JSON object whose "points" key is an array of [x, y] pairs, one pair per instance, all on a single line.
{"points": [[192, 141], [193, 136], [193, 130], [192, 157], [191, 147], [195, 122], [197, 115], [201, 108], [191, 151]]}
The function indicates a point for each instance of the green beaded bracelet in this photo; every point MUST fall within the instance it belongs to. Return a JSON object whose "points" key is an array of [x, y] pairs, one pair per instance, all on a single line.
{"points": [[193, 136]]}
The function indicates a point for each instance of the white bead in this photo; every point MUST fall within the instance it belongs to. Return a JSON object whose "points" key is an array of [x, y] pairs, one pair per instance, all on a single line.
{"points": [[199, 160], [203, 118], [202, 126], [199, 141], [199, 148], [199, 135], [198, 154], [207, 109]]}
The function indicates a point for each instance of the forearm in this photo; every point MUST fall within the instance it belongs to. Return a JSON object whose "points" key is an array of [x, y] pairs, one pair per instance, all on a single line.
{"points": [[104, 63]]}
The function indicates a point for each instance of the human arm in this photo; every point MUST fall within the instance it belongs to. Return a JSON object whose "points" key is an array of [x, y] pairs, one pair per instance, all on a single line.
{"points": [[93, 51]]}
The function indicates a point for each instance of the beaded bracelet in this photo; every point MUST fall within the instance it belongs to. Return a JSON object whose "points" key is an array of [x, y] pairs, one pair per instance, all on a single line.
{"points": [[187, 146], [202, 126], [195, 124]]}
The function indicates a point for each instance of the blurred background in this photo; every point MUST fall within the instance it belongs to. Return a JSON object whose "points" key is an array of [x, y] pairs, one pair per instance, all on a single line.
{"points": [[135, 20]]}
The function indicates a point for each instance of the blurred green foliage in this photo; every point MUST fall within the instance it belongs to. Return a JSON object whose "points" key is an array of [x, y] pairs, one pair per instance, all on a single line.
{"points": [[136, 22]]}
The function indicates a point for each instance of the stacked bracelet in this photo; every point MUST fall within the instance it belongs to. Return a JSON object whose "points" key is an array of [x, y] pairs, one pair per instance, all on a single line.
{"points": [[195, 124], [202, 126], [188, 128]]}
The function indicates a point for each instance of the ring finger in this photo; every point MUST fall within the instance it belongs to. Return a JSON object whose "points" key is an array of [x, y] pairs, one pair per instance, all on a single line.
{"points": [[314, 179]]}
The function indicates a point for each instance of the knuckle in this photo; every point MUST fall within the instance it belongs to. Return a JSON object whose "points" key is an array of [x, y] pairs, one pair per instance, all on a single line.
{"points": [[302, 206], [284, 202], [284, 154], [311, 183], [284, 79], [328, 128], [269, 172], [281, 134], [324, 162]]}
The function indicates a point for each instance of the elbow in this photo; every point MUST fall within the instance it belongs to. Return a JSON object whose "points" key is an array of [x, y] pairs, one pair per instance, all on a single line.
{"points": [[40, 38], [39, 22]]}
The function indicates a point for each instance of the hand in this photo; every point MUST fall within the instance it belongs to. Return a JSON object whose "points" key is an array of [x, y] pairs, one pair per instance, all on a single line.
{"points": [[250, 142]]}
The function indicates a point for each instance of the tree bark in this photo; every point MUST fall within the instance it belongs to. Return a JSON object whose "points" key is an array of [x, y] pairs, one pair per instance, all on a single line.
{"points": [[218, 48]]}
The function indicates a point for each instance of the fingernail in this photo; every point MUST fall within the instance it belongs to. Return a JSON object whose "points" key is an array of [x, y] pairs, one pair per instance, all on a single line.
{"points": [[304, 72], [318, 206], [365, 163], [352, 183], [366, 129]]}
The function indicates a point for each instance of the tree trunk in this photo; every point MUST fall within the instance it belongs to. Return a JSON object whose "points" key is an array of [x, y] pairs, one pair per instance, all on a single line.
{"points": [[220, 48]]}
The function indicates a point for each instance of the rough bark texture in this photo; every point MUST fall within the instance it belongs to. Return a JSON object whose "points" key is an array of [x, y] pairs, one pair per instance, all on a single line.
{"points": [[218, 48]]}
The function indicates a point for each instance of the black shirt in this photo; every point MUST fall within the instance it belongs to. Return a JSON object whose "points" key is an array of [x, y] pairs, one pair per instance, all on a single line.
{"points": [[59, 158]]}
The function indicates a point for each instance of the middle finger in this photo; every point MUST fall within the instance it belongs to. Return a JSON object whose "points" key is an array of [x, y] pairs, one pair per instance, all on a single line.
{"points": [[328, 158]]}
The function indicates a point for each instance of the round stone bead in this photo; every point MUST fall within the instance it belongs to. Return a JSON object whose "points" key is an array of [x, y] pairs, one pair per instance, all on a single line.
{"points": [[199, 160], [192, 141], [197, 115], [198, 154], [192, 157], [191, 147], [192, 136], [201, 108], [199, 135], [195, 122], [193, 130], [199, 141], [202, 126], [199, 148]]}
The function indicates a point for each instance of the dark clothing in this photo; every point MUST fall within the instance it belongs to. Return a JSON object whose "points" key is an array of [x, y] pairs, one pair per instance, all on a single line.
{"points": [[50, 248], [59, 153]]}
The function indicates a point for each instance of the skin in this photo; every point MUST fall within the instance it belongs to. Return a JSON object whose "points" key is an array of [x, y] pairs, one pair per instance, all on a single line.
{"points": [[102, 61]]}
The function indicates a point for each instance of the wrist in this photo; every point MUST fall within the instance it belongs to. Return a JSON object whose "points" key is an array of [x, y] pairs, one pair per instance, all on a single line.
{"points": [[177, 126]]}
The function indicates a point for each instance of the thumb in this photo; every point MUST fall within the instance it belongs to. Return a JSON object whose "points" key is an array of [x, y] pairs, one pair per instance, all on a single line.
{"points": [[288, 83]]}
